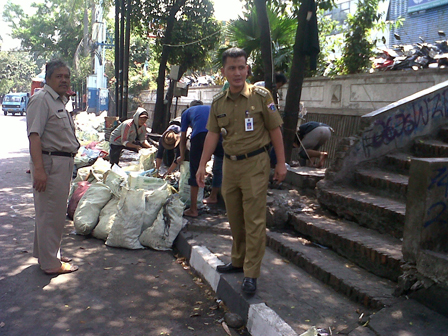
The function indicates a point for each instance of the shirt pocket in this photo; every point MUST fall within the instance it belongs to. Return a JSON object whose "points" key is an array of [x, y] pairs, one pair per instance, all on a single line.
{"points": [[223, 121], [257, 115], [62, 119]]}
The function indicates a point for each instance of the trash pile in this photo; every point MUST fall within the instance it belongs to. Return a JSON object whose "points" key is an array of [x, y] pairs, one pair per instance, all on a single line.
{"points": [[127, 207]]}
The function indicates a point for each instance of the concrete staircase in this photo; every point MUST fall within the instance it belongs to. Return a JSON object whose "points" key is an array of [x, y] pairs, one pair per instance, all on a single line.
{"points": [[363, 197], [354, 243]]}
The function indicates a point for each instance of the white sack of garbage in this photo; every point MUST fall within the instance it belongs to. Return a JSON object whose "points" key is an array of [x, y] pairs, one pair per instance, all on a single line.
{"points": [[89, 207]]}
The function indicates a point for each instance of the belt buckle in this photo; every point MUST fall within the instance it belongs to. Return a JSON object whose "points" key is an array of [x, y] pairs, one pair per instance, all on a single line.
{"points": [[233, 157]]}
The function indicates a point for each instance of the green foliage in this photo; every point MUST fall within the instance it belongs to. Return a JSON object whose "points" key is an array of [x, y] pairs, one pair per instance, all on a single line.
{"points": [[245, 34], [328, 43], [54, 31], [358, 48], [195, 31], [17, 69]]}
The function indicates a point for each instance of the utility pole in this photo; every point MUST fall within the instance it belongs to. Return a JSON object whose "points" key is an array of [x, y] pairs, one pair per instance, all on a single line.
{"points": [[122, 41]]}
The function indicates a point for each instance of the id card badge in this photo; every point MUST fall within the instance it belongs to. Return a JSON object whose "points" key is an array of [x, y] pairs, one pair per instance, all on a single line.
{"points": [[249, 122]]}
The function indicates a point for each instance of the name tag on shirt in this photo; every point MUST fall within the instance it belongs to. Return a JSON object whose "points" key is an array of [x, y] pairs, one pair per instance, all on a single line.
{"points": [[249, 123]]}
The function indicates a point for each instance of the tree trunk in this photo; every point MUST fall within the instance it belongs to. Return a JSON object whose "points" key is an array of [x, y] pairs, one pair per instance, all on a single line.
{"points": [[295, 86], [266, 46], [161, 111]]}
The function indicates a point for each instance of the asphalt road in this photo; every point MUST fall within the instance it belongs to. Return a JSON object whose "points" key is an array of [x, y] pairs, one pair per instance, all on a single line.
{"points": [[115, 291]]}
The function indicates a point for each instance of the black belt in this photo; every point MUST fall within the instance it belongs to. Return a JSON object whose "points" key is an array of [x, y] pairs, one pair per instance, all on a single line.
{"points": [[60, 153], [248, 155]]}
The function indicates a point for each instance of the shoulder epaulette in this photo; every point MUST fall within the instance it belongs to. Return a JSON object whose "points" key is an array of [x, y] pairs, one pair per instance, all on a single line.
{"points": [[261, 91], [219, 96]]}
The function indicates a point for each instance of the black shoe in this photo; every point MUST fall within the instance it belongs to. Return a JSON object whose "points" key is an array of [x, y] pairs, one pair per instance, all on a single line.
{"points": [[228, 268], [249, 285]]}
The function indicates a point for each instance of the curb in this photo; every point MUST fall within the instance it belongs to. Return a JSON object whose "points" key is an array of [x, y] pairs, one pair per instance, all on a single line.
{"points": [[260, 320]]}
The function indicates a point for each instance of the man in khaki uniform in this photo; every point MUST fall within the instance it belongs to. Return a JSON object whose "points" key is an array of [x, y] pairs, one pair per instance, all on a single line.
{"points": [[247, 118], [53, 144]]}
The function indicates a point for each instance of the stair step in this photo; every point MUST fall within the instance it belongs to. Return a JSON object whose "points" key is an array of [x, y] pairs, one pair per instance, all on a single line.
{"points": [[430, 148], [343, 276], [399, 161], [386, 215], [378, 253], [443, 134], [383, 182]]}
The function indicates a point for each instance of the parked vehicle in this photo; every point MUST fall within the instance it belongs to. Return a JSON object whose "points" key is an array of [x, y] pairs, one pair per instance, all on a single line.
{"points": [[15, 103], [442, 46]]}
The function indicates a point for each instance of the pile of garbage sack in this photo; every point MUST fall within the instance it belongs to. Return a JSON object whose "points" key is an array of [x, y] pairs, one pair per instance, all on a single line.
{"points": [[129, 206], [128, 209]]}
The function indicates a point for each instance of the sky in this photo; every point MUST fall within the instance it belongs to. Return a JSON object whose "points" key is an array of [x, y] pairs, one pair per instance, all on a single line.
{"points": [[224, 10]]}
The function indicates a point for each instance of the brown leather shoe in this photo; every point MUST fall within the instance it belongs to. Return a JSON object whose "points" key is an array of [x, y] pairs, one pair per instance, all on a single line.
{"points": [[249, 285], [228, 268]]}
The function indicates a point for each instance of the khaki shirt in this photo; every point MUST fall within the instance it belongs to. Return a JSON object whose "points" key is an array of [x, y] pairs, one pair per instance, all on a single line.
{"points": [[253, 102], [46, 115]]}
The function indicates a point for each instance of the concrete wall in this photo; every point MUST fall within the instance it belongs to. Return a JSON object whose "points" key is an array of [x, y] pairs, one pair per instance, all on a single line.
{"points": [[353, 95], [425, 238], [394, 126]]}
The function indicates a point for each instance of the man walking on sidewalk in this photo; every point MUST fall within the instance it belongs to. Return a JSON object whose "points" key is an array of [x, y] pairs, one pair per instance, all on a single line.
{"points": [[196, 117], [247, 118], [53, 144]]}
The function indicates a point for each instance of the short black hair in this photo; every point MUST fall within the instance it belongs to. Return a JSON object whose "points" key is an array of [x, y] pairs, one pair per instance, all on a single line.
{"points": [[233, 53], [196, 103], [280, 78], [51, 66]]}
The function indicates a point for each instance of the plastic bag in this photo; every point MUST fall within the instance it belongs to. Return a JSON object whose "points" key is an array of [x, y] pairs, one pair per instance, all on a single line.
{"points": [[128, 222], [87, 213], [166, 227]]}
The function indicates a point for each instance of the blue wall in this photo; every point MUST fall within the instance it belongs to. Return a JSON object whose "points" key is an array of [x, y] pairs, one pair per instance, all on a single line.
{"points": [[425, 23]]}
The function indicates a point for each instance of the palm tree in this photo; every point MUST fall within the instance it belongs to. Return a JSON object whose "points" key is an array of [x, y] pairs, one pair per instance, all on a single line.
{"points": [[245, 34]]}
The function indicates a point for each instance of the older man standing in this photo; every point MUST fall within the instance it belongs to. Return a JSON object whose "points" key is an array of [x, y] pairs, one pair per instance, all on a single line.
{"points": [[53, 144]]}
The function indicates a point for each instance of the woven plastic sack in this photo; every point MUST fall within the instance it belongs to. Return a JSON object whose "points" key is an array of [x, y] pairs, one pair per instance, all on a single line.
{"points": [[106, 219], [128, 222], [114, 181], [89, 207], [147, 157], [154, 201], [136, 181], [184, 187], [166, 227]]}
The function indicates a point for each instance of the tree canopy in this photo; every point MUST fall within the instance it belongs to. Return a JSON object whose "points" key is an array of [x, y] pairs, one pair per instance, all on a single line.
{"points": [[17, 70]]}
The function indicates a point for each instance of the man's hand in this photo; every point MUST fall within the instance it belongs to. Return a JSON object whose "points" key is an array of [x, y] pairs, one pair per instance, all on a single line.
{"points": [[200, 177], [280, 172], [39, 180], [180, 159]]}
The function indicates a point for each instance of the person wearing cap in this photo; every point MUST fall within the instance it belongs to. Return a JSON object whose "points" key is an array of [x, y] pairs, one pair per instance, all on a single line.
{"points": [[169, 141], [130, 135], [53, 145], [196, 117]]}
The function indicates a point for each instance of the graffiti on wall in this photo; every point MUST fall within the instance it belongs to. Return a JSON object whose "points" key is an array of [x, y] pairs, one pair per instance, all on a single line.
{"points": [[407, 122], [437, 212]]}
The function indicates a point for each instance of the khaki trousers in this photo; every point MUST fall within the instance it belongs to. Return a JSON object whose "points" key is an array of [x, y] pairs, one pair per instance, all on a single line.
{"points": [[51, 208], [244, 189]]}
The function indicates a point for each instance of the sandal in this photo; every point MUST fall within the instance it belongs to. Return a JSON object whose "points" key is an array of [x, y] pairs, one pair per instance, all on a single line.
{"points": [[66, 259], [64, 269]]}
